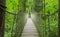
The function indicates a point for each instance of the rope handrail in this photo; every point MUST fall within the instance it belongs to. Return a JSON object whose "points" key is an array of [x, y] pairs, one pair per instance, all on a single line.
{"points": [[7, 11], [3, 8], [47, 14]]}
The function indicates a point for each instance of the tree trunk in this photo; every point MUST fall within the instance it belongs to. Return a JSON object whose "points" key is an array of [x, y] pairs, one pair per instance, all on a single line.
{"points": [[59, 20], [2, 15]]}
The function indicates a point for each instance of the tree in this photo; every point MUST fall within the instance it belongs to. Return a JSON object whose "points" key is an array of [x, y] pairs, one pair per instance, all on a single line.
{"points": [[59, 20], [2, 15]]}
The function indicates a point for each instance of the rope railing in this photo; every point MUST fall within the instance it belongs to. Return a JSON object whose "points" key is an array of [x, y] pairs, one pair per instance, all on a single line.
{"points": [[7, 11], [11, 12]]}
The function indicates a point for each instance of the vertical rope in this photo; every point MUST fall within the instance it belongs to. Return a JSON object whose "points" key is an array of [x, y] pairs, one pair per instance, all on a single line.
{"points": [[49, 24]]}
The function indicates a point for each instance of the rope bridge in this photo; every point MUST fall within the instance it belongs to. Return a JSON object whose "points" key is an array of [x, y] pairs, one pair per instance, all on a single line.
{"points": [[15, 21]]}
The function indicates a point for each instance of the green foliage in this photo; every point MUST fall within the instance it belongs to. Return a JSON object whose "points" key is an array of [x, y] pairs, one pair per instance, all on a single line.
{"points": [[51, 6], [12, 5], [8, 24]]}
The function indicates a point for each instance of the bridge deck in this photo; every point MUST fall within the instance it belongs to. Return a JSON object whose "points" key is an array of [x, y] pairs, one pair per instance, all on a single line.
{"points": [[29, 29]]}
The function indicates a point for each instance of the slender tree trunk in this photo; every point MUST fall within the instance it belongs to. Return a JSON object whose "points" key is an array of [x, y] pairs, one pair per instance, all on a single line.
{"points": [[59, 20], [2, 14]]}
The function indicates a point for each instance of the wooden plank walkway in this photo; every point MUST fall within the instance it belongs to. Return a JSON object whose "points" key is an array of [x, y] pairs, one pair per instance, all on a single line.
{"points": [[29, 29]]}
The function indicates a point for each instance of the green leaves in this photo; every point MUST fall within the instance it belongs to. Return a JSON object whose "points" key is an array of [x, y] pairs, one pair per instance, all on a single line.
{"points": [[51, 5], [12, 5]]}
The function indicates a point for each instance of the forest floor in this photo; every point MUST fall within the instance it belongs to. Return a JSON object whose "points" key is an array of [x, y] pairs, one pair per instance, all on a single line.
{"points": [[29, 29]]}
